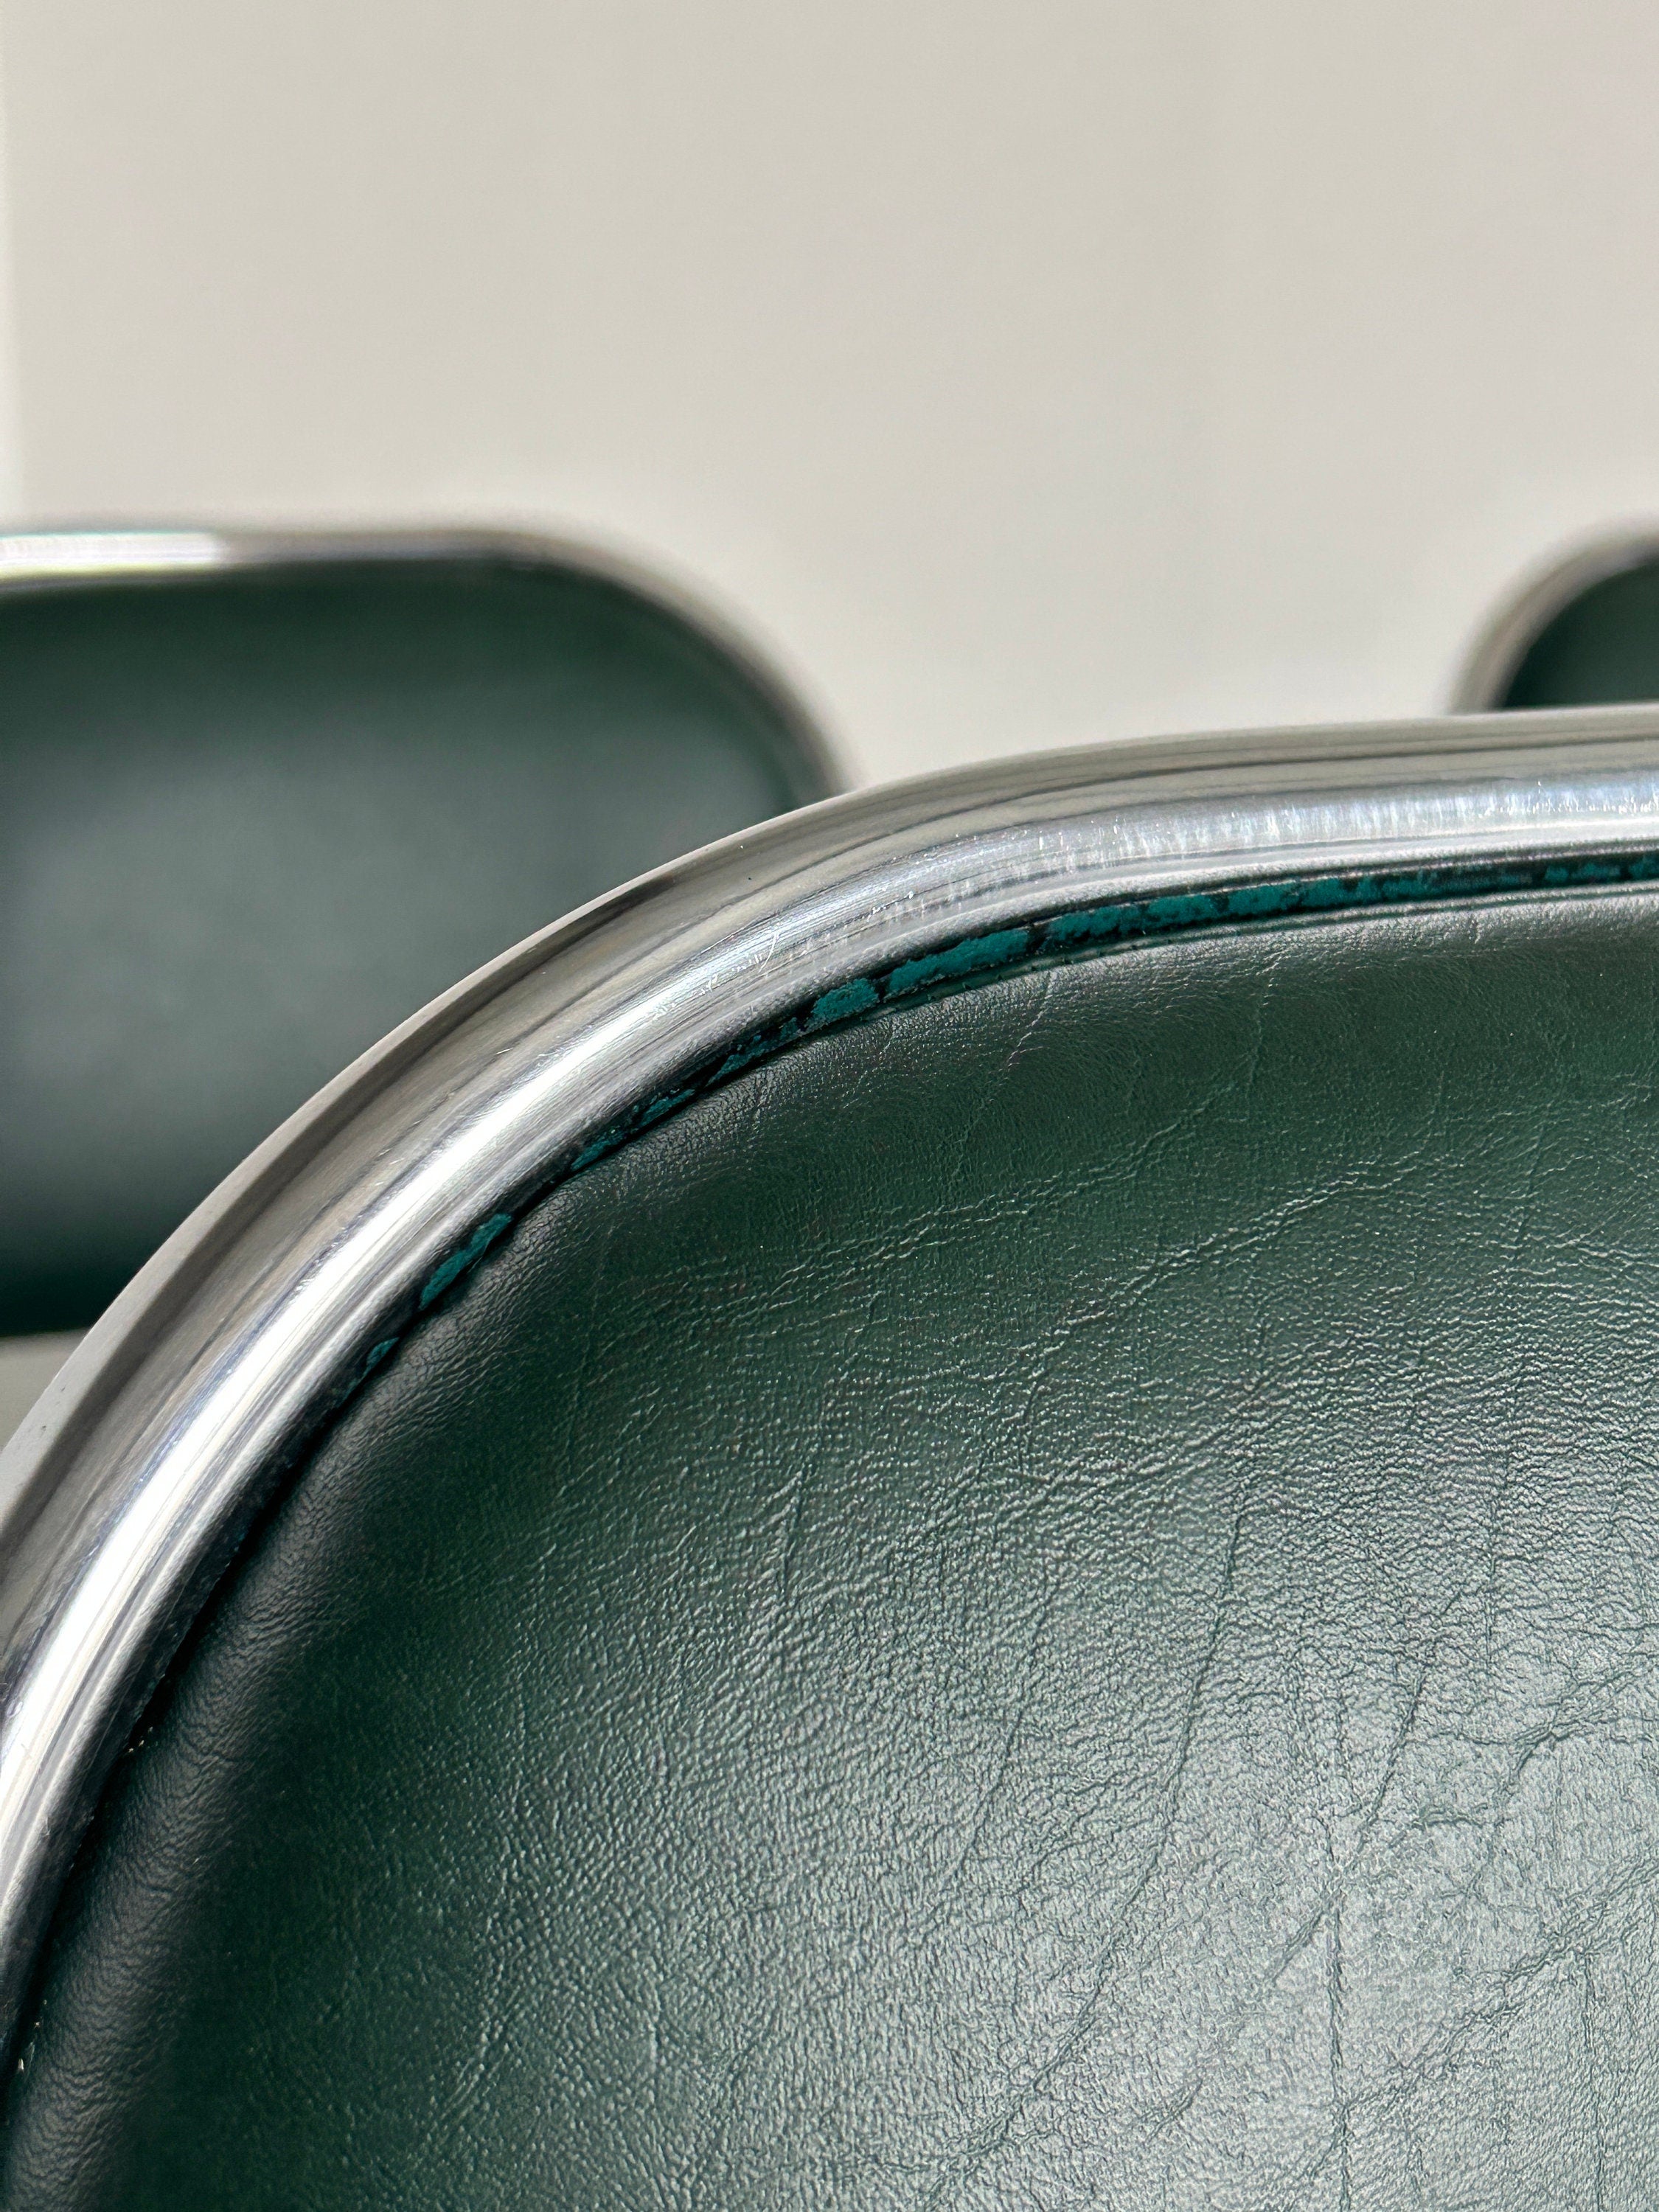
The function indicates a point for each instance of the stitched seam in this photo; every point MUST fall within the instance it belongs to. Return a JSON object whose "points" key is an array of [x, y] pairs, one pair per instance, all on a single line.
{"points": [[1059, 937]]}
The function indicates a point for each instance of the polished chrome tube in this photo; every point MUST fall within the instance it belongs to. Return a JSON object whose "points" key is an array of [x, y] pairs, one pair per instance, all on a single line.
{"points": [[122, 1495]]}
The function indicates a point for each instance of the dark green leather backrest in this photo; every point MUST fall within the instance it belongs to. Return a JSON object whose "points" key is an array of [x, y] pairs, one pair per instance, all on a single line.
{"points": [[249, 822], [1048, 1599], [1602, 647]]}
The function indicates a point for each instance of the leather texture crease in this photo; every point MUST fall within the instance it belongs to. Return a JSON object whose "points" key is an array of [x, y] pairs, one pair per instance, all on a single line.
{"points": [[1051, 1599]]}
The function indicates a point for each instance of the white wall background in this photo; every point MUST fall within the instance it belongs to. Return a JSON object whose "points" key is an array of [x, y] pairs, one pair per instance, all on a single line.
{"points": [[1017, 373]]}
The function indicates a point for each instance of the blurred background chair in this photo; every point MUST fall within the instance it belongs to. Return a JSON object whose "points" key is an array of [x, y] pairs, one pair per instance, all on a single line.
{"points": [[1583, 632], [262, 797], [959, 1509]]}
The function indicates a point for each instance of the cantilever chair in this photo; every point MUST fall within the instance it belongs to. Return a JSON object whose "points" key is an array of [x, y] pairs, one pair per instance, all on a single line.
{"points": [[960, 1508], [1582, 632], [261, 798]]}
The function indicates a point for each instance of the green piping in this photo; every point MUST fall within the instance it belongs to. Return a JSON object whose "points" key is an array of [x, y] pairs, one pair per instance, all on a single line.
{"points": [[1072, 934], [462, 1262], [1082, 932]]}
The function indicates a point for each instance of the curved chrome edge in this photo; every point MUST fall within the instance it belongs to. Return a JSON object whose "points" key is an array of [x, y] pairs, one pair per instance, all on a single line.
{"points": [[35, 560], [1494, 659], [124, 1492]]}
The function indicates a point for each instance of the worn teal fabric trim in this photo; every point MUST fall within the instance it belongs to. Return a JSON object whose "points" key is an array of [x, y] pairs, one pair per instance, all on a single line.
{"points": [[1080, 933], [1072, 934], [1058, 937]]}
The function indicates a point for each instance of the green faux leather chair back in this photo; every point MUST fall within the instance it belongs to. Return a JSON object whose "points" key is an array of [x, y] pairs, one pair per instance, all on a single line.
{"points": [[963, 1512], [1584, 633], [254, 815]]}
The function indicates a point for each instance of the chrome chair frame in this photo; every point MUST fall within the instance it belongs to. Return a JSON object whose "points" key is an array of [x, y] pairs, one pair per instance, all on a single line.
{"points": [[125, 1492]]}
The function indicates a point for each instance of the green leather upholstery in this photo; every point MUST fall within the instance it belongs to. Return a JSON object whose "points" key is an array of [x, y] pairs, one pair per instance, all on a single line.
{"points": [[1048, 1599], [1601, 649], [249, 822]]}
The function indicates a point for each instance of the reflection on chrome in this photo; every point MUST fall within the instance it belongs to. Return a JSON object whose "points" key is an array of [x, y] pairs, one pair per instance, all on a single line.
{"points": [[126, 1487]]}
